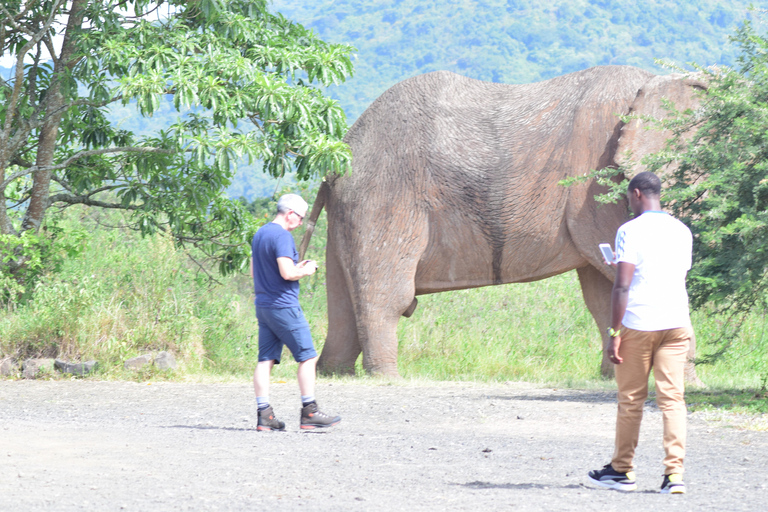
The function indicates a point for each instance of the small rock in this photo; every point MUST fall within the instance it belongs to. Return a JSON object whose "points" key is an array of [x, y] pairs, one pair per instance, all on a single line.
{"points": [[76, 368], [33, 368], [165, 361], [135, 363], [9, 367]]}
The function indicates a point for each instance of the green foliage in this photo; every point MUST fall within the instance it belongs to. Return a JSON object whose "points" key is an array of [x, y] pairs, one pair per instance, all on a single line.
{"points": [[611, 177], [244, 84], [41, 253], [122, 296], [746, 401], [719, 186]]}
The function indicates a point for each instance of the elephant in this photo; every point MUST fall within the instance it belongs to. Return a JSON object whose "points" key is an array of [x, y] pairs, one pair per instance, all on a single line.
{"points": [[455, 184]]}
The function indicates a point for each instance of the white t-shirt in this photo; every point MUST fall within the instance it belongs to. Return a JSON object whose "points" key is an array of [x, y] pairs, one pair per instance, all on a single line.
{"points": [[660, 247]]}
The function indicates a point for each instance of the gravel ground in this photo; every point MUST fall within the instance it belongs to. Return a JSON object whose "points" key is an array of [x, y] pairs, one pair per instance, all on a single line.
{"points": [[87, 445]]}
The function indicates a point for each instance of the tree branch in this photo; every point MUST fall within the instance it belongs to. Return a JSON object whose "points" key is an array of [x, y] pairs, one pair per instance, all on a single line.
{"points": [[96, 104], [196, 240], [205, 271], [82, 154], [19, 73], [62, 182], [86, 200]]}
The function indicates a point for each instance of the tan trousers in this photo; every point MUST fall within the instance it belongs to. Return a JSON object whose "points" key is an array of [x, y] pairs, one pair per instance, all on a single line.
{"points": [[666, 352]]}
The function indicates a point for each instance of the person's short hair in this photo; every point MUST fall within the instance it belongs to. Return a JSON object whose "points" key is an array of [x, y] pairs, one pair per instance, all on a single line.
{"points": [[290, 202], [647, 182]]}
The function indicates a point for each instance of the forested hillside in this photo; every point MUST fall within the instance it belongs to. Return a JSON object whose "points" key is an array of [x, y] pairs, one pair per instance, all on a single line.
{"points": [[513, 41], [509, 41]]}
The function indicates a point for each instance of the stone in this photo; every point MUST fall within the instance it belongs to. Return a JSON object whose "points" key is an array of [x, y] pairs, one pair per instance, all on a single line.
{"points": [[76, 368], [135, 363], [36, 367], [9, 367], [165, 361]]}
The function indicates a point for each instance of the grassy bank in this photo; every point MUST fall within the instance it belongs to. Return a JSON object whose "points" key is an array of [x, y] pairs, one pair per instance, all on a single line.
{"points": [[125, 295]]}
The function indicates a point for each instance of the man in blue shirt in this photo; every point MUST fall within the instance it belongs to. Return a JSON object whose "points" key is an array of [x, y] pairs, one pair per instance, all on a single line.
{"points": [[276, 271]]}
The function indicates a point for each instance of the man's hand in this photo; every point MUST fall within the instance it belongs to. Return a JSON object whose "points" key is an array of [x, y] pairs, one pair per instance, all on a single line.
{"points": [[291, 272], [613, 350], [309, 266]]}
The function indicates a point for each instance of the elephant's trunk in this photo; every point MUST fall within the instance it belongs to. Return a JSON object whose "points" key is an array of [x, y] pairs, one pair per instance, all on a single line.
{"points": [[309, 225]]}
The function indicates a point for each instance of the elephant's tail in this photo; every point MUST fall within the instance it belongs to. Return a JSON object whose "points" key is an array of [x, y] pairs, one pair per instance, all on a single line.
{"points": [[309, 225]]}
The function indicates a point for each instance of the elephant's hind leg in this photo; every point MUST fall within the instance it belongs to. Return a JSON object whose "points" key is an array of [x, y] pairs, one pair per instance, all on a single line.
{"points": [[596, 290], [342, 347]]}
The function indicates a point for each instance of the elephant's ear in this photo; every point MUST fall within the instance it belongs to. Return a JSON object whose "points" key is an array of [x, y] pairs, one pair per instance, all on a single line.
{"points": [[637, 137]]}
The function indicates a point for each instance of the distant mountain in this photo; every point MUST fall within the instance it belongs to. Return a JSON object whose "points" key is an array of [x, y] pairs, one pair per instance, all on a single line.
{"points": [[509, 41], [513, 41]]}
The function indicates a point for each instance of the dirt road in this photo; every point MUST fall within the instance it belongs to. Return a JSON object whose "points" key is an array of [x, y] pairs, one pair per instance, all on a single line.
{"points": [[85, 445]]}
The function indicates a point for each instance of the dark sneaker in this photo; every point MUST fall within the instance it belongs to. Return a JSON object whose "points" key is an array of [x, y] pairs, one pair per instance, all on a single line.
{"points": [[609, 477], [672, 484], [312, 417], [267, 420]]}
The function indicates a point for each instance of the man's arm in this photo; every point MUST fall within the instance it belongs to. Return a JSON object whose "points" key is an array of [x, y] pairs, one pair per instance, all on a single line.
{"points": [[291, 272], [619, 299]]}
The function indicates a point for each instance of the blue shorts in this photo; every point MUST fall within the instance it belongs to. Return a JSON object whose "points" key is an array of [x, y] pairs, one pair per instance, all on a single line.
{"points": [[284, 326]]}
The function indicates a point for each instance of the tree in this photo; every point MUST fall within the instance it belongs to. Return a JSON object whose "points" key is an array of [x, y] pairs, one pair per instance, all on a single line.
{"points": [[719, 182], [715, 174], [244, 81]]}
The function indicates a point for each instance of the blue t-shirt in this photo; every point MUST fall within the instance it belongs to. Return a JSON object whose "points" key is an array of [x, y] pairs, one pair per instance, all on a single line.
{"points": [[270, 242]]}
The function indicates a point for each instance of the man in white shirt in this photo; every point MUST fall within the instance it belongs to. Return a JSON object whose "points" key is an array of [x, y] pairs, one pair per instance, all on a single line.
{"points": [[650, 328]]}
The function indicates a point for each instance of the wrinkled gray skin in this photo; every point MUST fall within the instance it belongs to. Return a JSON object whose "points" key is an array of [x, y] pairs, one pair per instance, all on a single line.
{"points": [[455, 185]]}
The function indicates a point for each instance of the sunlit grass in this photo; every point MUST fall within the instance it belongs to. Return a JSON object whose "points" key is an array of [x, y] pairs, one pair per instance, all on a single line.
{"points": [[125, 296], [538, 332]]}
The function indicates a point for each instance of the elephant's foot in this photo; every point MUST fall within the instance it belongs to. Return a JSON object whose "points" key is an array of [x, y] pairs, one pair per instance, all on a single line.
{"points": [[328, 367], [385, 370], [691, 379], [606, 369]]}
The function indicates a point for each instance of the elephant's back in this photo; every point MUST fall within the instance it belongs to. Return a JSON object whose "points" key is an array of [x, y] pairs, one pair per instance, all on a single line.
{"points": [[453, 138], [445, 116], [480, 163]]}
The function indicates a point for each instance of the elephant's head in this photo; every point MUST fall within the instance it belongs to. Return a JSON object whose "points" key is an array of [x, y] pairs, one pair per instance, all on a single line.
{"points": [[638, 137]]}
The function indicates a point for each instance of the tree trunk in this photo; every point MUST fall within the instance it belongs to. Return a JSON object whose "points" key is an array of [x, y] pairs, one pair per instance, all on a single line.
{"points": [[54, 110]]}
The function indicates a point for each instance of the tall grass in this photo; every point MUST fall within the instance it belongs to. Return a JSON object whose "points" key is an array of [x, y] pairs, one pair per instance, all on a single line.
{"points": [[539, 332], [125, 295]]}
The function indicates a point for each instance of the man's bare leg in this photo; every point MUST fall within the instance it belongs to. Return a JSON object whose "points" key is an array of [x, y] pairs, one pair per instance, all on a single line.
{"points": [[306, 376], [261, 376]]}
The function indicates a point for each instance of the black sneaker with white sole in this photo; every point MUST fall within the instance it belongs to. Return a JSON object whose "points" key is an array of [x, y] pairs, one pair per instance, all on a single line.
{"points": [[612, 479], [673, 484]]}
